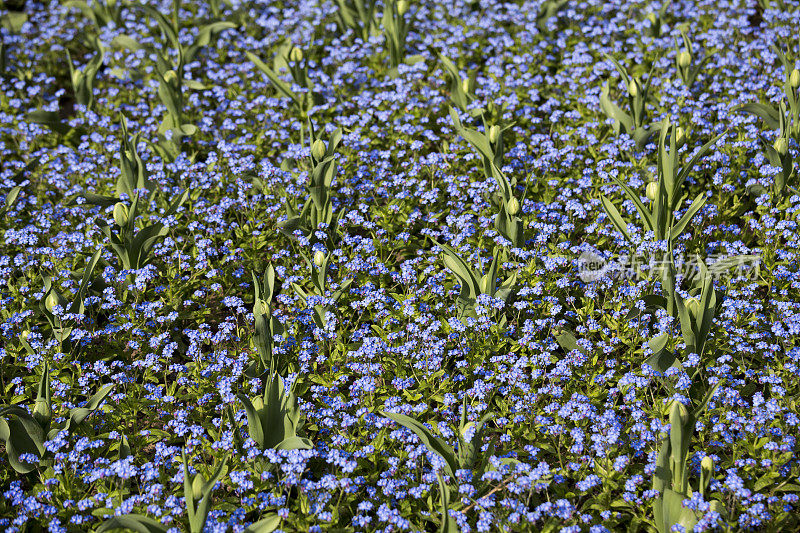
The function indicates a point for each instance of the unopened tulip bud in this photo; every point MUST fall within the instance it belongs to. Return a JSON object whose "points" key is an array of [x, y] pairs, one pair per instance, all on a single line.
{"points": [[120, 214], [402, 7], [794, 79], [465, 85], [684, 59], [25, 334], [484, 284], [197, 486], [296, 55], [680, 134], [51, 301], [678, 416], [781, 146], [693, 306], [261, 308], [512, 208], [633, 88], [706, 471], [494, 133], [171, 77], [319, 258], [651, 191], [42, 412], [651, 17], [318, 150]]}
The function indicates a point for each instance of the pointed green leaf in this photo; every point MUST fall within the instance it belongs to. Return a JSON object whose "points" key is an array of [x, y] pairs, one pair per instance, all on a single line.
{"points": [[267, 524], [432, 442], [133, 522]]}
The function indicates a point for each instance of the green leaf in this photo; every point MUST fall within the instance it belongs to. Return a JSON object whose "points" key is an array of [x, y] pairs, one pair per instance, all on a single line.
{"points": [[13, 21], [470, 285], [24, 435], [644, 213], [51, 119], [448, 524], [675, 512], [267, 524], [700, 407], [96, 199], [616, 218], [79, 414], [684, 173], [432, 442], [253, 420], [697, 204], [281, 86], [133, 522], [642, 135], [767, 113], [568, 342], [766, 480], [622, 120], [294, 443], [197, 521], [126, 41], [661, 359], [77, 303]]}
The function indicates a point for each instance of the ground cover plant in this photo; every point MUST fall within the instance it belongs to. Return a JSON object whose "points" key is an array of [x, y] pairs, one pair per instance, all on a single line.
{"points": [[388, 265]]}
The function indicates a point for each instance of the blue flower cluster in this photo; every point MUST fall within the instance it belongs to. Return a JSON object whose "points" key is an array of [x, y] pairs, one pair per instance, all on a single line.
{"points": [[540, 380]]}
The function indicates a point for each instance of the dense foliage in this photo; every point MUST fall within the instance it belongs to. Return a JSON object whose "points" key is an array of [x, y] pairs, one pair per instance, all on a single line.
{"points": [[384, 265]]}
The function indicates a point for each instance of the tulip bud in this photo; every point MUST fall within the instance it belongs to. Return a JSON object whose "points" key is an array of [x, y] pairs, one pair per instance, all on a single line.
{"points": [[465, 85], [42, 412], [261, 308], [318, 150], [197, 486], [25, 334], [781, 146], [794, 79], [120, 214], [512, 208], [678, 417], [693, 306], [296, 55], [171, 78], [652, 18], [706, 471], [319, 258], [651, 191], [680, 135], [494, 133], [402, 7], [633, 88], [51, 301], [484, 284], [684, 59]]}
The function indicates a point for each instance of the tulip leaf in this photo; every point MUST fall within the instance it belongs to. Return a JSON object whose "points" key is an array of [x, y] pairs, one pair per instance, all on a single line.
{"points": [[432, 442]]}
